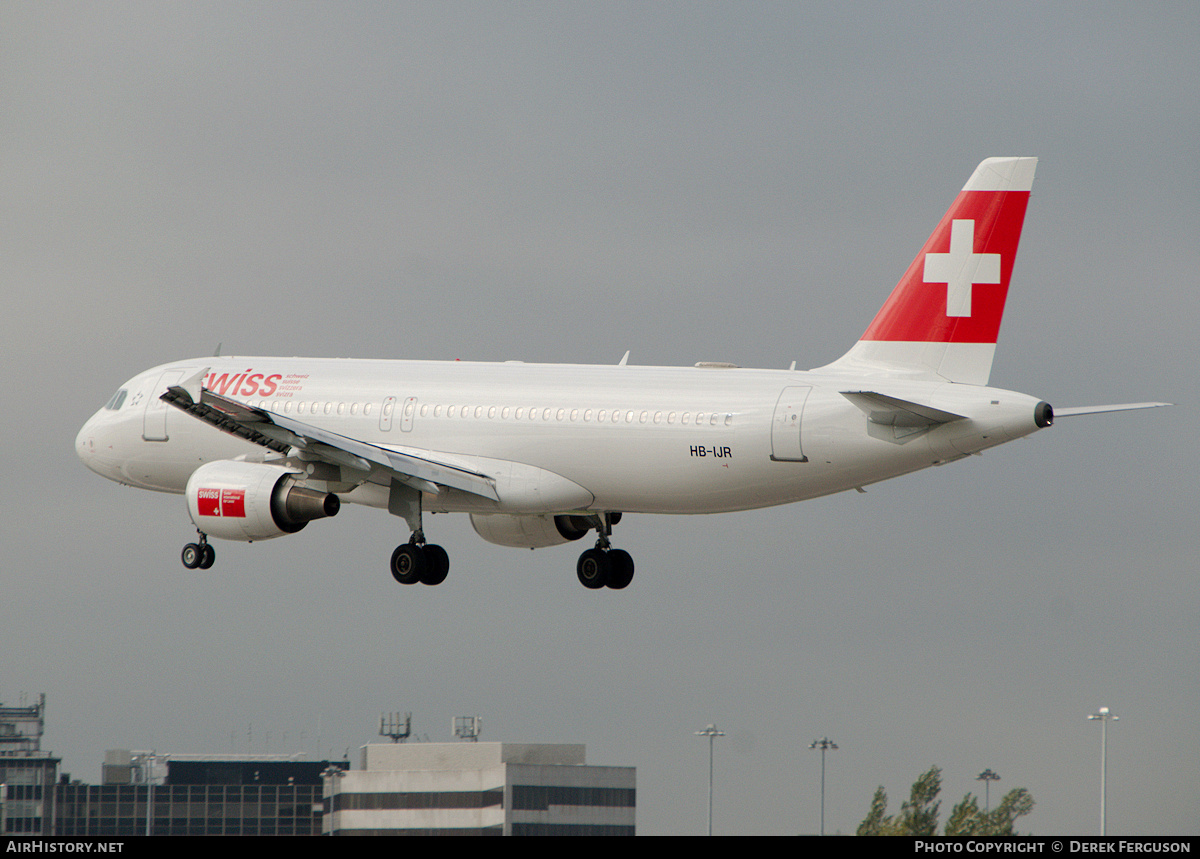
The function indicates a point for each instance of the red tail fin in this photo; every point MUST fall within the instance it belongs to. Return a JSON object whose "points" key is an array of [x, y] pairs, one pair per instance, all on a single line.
{"points": [[944, 315]]}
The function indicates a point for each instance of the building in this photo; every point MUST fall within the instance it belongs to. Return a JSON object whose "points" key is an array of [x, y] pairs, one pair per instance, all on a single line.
{"points": [[145, 793], [464, 788], [480, 789], [27, 774]]}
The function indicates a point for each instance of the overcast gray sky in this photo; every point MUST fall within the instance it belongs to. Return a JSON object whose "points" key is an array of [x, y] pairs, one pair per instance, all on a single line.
{"points": [[561, 182]]}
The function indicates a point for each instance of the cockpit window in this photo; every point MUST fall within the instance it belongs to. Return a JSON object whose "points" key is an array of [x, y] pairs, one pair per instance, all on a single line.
{"points": [[118, 399]]}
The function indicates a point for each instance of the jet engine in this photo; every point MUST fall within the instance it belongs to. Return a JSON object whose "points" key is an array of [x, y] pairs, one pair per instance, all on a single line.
{"points": [[253, 501], [529, 531]]}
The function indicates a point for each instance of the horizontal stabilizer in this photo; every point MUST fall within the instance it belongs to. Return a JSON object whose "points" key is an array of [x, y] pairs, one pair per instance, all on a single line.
{"points": [[894, 412], [1095, 410]]}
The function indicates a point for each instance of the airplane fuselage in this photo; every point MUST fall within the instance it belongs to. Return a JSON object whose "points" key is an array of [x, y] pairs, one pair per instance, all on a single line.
{"points": [[560, 438]]}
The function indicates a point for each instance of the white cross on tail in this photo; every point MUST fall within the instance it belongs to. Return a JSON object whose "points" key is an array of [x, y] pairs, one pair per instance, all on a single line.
{"points": [[961, 268]]}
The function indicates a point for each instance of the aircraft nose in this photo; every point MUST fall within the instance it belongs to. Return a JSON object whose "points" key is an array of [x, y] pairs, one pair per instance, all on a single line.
{"points": [[89, 444], [85, 443]]}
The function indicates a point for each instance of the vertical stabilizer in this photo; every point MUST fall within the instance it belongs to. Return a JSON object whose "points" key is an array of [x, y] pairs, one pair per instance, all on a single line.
{"points": [[943, 317]]}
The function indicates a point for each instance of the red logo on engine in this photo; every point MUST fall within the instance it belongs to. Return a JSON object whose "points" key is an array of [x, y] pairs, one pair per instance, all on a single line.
{"points": [[221, 502]]}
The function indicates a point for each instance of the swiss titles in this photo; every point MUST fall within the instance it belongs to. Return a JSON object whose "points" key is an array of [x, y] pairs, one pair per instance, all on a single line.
{"points": [[245, 384]]}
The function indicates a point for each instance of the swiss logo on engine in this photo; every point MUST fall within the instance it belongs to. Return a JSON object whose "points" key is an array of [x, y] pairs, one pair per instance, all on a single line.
{"points": [[221, 502]]}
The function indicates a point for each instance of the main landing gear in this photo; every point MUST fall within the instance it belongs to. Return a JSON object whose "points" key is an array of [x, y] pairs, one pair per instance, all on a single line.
{"points": [[604, 566], [418, 561], [198, 555]]}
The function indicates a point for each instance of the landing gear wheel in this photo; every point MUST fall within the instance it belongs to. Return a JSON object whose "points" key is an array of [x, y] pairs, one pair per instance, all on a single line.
{"points": [[593, 568], [437, 565], [620, 569], [193, 554], [408, 563], [208, 556]]}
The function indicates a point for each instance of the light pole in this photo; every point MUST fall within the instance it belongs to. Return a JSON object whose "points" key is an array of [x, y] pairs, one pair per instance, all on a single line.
{"points": [[823, 744], [712, 733], [987, 777], [1103, 716]]}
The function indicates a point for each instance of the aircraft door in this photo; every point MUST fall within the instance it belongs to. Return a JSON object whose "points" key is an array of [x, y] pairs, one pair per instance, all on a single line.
{"points": [[785, 425], [154, 420], [406, 416], [385, 414]]}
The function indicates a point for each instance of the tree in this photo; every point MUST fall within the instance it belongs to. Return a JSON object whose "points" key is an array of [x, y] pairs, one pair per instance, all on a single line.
{"points": [[919, 814], [874, 822]]}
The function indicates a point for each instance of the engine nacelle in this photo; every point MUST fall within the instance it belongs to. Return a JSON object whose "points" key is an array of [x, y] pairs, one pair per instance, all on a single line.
{"points": [[252, 501], [530, 531]]}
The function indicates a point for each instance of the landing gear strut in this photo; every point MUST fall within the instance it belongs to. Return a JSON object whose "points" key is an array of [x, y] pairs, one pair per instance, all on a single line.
{"points": [[604, 566], [198, 555], [416, 560]]}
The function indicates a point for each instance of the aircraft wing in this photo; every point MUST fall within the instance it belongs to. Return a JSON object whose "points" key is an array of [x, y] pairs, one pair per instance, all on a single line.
{"points": [[281, 433], [1095, 410]]}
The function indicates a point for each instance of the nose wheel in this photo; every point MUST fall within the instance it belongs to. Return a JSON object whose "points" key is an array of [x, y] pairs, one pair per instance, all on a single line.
{"points": [[198, 555]]}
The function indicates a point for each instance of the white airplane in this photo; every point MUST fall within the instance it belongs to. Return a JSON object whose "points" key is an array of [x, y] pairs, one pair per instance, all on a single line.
{"points": [[541, 454]]}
